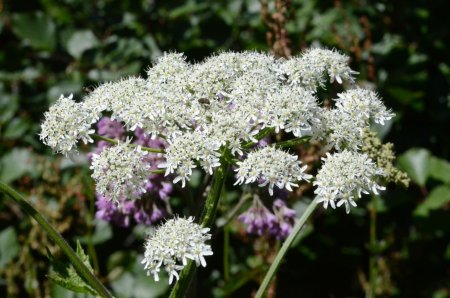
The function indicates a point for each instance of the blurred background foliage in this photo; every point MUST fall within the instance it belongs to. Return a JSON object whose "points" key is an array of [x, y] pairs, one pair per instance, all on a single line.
{"points": [[49, 47]]}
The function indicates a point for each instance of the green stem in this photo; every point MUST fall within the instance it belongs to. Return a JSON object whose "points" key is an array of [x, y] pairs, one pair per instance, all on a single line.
{"points": [[115, 142], [277, 262], [206, 220], [77, 263], [371, 293], [293, 142], [263, 133]]}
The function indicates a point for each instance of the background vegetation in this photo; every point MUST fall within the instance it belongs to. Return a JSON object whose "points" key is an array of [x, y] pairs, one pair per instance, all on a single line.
{"points": [[49, 47]]}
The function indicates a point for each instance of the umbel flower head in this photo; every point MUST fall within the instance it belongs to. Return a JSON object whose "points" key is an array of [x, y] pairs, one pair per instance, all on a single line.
{"points": [[271, 167], [120, 171], [173, 243], [65, 123], [221, 106], [344, 176]]}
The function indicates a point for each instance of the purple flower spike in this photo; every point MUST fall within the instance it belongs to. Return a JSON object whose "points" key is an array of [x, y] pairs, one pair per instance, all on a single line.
{"points": [[285, 219], [261, 221], [258, 218], [110, 128]]}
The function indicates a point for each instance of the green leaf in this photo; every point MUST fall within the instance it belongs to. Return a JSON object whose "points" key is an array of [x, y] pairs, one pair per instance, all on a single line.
{"points": [[439, 169], [415, 162], [103, 232], [9, 104], [35, 29], [80, 41], [16, 128], [133, 283], [9, 247], [438, 197], [65, 275], [15, 164]]}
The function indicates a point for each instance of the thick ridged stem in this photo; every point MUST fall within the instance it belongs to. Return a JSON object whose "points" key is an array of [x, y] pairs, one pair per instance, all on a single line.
{"points": [[206, 220]]}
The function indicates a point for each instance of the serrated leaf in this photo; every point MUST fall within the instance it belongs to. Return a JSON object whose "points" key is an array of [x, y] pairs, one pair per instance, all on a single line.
{"points": [[438, 197], [439, 169], [65, 275], [9, 247], [35, 29], [415, 162]]}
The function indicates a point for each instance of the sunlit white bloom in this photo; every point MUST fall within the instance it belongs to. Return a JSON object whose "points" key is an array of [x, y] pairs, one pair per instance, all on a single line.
{"points": [[344, 176], [343, 126], [120, 171], [292, 109], [167, 68], [187, 149], [364, 104], [309, 69], [173, 243], [341, 131], [273, 167], [65, 123]]}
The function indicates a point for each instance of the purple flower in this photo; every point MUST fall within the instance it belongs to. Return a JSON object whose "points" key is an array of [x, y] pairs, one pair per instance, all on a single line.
{"points": [[117, 214], [285, 219], [110, 128], [260, 220]]}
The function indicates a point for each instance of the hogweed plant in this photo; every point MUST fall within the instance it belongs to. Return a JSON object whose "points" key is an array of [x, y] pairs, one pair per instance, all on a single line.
{"points": [[219, 116]]}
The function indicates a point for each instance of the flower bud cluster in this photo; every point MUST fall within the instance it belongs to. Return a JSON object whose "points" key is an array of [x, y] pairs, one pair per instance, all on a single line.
{"points": [[172, 244]]}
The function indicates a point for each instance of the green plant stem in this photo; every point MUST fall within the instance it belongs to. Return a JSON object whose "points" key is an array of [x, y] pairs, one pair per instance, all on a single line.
{"points": [[284, 248], [77, 263], [115, 142], [206, 220], [263, 133], [293, 142], [371, 293]]}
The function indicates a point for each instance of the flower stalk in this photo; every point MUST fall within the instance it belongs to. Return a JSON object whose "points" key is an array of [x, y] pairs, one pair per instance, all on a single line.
{"points": [[115, 142], [284, 248], [206, 220], [77, 263]]}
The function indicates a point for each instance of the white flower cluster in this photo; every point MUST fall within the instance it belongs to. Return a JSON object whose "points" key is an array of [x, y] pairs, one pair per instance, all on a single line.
{"points": [[308, 70], [120, 171], [343, 126], [186, 149], [224, 102], [65, 123], [344, 176], [271, 166], [173, 243], [363, 104]]}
